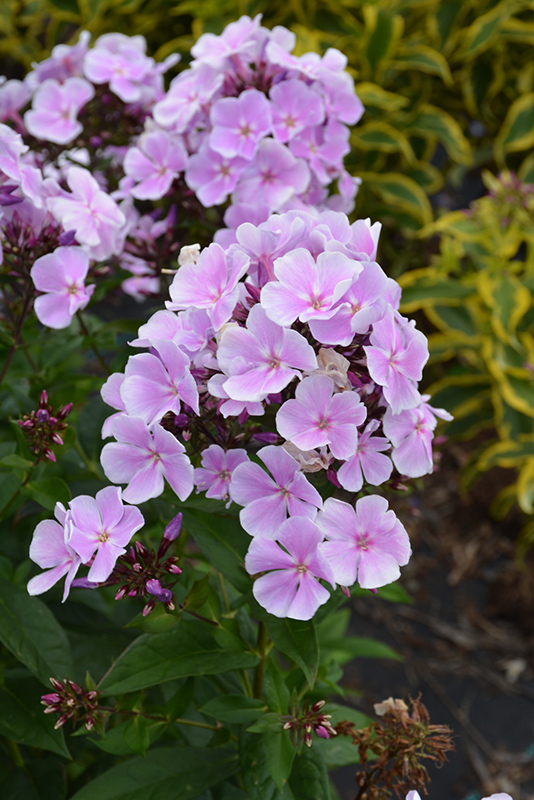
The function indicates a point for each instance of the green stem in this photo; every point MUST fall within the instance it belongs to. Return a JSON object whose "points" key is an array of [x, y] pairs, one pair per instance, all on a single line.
{"points": [[200, 617], [91, 340], [14, 752], [259, 672]]}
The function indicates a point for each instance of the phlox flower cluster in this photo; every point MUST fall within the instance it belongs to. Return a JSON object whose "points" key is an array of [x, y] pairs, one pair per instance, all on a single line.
{"points": [[247, 355], [90, 136]]}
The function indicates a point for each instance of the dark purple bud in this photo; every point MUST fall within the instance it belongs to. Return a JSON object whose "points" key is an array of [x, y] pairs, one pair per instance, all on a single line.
{"points": [[65, 411], [155, 588], [170, 606], [48, 699], [56, 438], [141, 550], [10, 200], [120, 594], [174, 527], [267, 437], [174, 569], [56, 684], [181, 421], [322, 732], [331, 474], [276, 397], [242, 418], [66, 238], [132, 593], [92, 695], [49, 455], [254, 292], [42, 415], [148, 608], [89, 723], [83, 583], [374, 591], [137, 567], [318, 705], [345, 590], [28, 423], [77, 689], [95, 141], [43, 400], [62, 720]]}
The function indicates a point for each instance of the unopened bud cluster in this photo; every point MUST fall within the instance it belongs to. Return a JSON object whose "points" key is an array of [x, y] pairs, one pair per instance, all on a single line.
{"points": [[72, 702], [307, 720], [44, 427], [144, 572]]}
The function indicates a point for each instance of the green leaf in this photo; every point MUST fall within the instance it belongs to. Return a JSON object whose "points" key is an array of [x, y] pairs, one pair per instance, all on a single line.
{"points": [[517, 130], [257, 779], [47, 492], [432, 121], [198, 594], [30, 631], [374, 96], [295, 638], [309, 778], [22, 719], [234, 708], [401, 192], [224, 542], [279, 755], [16, 461], [423, 287], [425, 59], [275, 688], [383, 137], [158, 621], [189, 649], [352, 647], [173, 773], [384, 31], [339, 751], [126, 738], [507, 454]]}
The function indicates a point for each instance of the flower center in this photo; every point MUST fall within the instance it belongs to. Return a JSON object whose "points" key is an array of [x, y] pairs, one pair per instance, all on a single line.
{"points": [[274, 363], [316, 302], [362, 542], [245, 130], [224, 475], [323, 424], [103, 537], [302, 568]]}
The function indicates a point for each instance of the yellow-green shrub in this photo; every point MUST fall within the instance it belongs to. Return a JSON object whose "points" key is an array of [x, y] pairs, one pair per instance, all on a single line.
{"points": [[478, 294]]}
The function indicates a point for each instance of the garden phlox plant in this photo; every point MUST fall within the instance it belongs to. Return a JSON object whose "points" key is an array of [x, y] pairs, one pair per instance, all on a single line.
{"points": [[245, 390]]}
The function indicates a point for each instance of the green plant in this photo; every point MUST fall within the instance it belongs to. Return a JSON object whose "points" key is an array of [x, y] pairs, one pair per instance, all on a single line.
{"points": [[478, 294]]}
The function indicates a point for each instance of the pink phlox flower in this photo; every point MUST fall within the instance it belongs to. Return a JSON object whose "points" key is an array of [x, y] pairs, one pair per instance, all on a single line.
{"points": [[295, 106], [274, 175], [347, 188], [294, 566], [218, 466], [239, 124], [143, 458], [323, 148], [14, 94], [411, 433], [306, 288], [367, 543], [237, 39], [395, 359], [102, 525], [65, 62], [111, 395], [359, 308], [268, 241], [155, 162], [158, 382], [268, 501], [61, 276], [232, 408], [316, 417], [309, 65], [50, 550], [91, 212], [189, 94], [368, 461], [341, 101], [190, 330], [364, 239], [211, 283], [262, 358], [120, 61], [11, 149], [213, 176], [55, 108]]}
